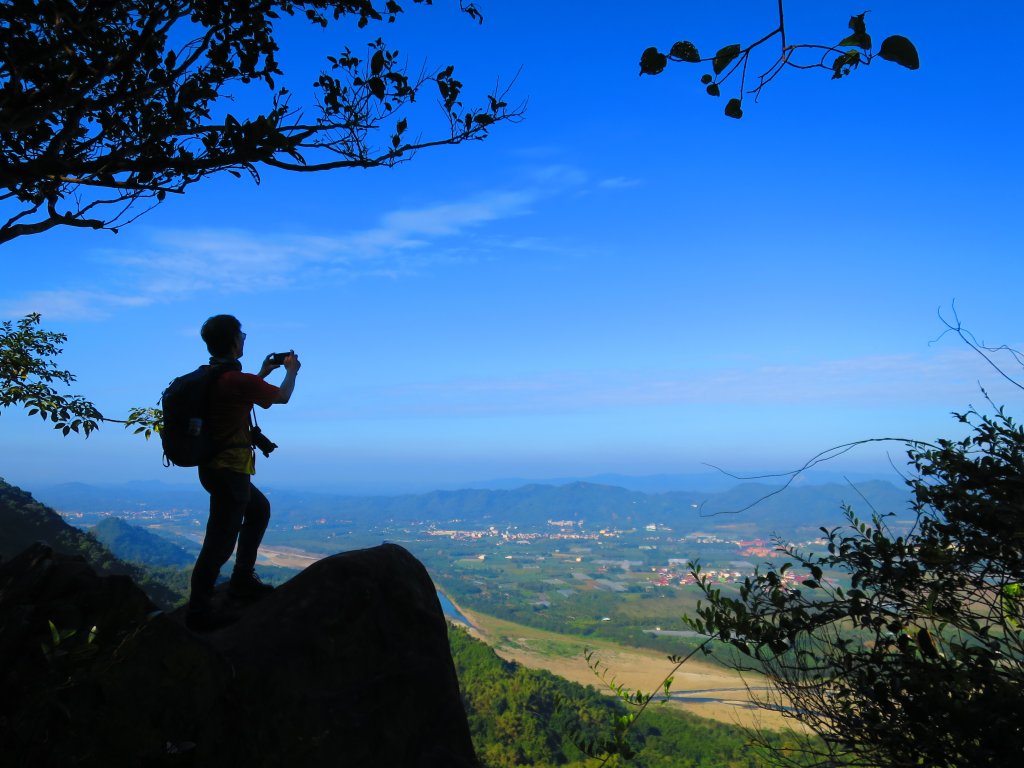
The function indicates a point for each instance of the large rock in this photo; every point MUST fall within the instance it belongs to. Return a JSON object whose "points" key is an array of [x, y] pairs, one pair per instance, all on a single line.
{"points": [[345, 665]]}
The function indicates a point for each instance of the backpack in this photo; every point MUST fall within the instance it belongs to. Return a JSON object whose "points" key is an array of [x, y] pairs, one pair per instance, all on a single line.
{"points": [[185, 434]]}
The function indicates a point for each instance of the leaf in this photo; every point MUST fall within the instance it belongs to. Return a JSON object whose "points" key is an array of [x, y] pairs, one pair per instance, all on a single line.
{"points": [[713, 90], [377, 63], [901, 51], [858, 39], [725, 57], [377, 88], [706, 79], [734, 109], [685, 51], [857, 25], [843, 64], [926, 644], [652, 62]]}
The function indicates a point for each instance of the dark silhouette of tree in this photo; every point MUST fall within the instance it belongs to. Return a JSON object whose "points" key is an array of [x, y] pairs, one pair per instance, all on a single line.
{"points": [[902, 645], [106, 108], [841, 59]]}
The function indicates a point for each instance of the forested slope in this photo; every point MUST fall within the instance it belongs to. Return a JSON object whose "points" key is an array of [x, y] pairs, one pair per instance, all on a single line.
{"points": [[524, 717], [23, 521]]}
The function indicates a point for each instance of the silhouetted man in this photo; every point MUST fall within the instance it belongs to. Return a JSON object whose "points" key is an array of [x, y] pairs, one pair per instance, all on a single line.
{"points": [[239, 512]]}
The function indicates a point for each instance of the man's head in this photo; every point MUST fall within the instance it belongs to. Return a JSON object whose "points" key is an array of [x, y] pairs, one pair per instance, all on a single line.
{"points": [[223, 336]]}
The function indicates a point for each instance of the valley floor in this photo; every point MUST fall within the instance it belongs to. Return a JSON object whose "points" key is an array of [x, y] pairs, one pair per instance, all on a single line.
{"points": [[700, 688]]}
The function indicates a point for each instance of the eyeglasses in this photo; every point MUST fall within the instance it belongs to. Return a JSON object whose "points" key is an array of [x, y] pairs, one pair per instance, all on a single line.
{"points": [[241, 336]]}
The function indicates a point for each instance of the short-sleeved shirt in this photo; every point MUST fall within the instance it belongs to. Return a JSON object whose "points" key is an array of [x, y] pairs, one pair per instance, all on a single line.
{"points": [[235, 393]]}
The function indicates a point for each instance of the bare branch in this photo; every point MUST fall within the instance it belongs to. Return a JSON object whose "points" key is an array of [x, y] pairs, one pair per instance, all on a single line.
{"points": [[826, 455], [968, 338], [840, 59]]}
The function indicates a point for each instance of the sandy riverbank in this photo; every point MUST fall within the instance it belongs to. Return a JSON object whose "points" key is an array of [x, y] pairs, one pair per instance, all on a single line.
{"points": [[287, 557]]}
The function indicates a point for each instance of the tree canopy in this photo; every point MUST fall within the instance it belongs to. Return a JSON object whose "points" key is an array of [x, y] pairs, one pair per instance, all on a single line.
{"points": [[105, 108]]}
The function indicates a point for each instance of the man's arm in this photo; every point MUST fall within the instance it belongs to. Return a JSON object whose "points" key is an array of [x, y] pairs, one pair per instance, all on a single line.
{"points": [[291, 365], [288, 385]]}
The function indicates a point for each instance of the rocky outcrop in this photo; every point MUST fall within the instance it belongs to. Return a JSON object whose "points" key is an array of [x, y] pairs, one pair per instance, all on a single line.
{"points": [[347, 664]]}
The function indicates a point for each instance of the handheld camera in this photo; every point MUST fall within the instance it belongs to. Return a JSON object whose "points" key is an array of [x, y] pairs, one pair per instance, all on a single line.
{"points": [[261, 441]]}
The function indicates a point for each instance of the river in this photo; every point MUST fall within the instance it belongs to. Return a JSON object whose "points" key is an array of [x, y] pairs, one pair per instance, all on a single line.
{"points": [[449, 609]]}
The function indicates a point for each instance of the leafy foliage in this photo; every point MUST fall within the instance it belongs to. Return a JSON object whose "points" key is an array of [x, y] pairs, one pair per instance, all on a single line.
{"points": [[107, 105], [28, 372], [841, 59], [920, 659]]}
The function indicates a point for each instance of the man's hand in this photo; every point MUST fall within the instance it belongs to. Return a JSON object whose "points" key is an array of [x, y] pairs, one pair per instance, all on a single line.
{"points": [[275, 360], [268, 366]]}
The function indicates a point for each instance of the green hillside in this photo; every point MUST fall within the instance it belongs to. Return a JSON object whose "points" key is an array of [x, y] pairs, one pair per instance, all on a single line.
{"points": [[24, 521], [137, 545]]}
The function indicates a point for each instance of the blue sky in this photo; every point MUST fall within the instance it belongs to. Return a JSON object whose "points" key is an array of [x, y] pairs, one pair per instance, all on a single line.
{"points": [[626, 282]]}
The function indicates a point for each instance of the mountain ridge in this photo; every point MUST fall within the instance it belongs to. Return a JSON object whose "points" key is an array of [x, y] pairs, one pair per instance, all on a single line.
{"points": [[752, 507]]}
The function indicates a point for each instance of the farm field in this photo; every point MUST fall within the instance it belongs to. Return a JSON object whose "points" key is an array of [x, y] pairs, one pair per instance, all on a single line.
{"points": [[700, 687]]}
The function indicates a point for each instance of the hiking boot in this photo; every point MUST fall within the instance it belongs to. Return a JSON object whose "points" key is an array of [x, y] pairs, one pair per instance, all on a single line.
{"points": [[206, 619], [248, 586]]}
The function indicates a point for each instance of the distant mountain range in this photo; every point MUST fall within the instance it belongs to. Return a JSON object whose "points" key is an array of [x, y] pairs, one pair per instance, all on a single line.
{"points": [[185, 488], [747, 509], [703, 482]]}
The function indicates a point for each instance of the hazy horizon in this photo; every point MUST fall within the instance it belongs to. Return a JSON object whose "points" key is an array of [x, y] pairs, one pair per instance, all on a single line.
{"points": [[652, 484]]}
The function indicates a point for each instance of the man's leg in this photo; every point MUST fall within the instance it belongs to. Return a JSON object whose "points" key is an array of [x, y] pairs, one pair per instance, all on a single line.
{"points": [[254, 525], [245, 584], [229, 496]]}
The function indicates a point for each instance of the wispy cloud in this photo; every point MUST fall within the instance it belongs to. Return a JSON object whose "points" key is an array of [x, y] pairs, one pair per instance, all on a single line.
{"points": [[619, 182], [948, 378], [180, 262], [71, 303], [172, 264], [414, 229]]}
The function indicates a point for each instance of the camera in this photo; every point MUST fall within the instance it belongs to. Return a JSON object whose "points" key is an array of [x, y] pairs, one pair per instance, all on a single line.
{"points": [[261, 441], [277, 358]]}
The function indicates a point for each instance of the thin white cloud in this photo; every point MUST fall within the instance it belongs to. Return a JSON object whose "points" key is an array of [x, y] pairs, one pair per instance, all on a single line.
{"points": [[619, 182], [417, 228], [71, 304], [173, 264], [180, 262], [556, 178], [943, 378]]}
